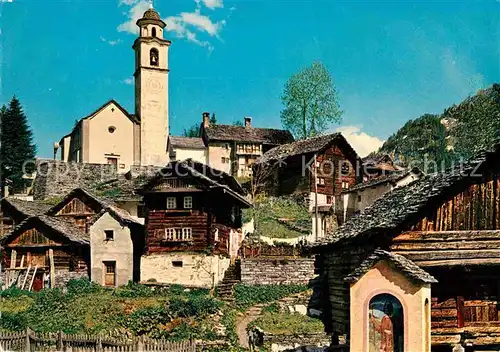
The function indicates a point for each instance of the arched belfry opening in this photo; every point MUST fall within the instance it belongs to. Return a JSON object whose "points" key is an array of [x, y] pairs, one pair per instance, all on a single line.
{"points": [[154, 57], [153, 32]]}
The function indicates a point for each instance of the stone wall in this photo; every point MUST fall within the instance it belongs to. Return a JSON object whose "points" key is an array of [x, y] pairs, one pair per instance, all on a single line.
{"points": [[56, 178], [277, 271], [63, 276]]}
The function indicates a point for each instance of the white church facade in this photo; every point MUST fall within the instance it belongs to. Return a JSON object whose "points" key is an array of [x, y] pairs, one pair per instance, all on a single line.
{"points": [[112, 135]]}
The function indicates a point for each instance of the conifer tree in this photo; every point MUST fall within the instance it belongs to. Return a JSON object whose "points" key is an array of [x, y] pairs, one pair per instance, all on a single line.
{"points": [[17, 145]]}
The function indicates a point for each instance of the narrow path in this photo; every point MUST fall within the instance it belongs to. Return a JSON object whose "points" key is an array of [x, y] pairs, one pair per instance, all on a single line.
{"points": [[250, 315]]}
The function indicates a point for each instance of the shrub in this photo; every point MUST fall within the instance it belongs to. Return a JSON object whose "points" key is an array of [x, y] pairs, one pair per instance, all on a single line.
{"points": [[82, 287], [145, 321], [13, 321], [288, 324], [198, 306], [248, 295], [14, 292], [134, 290]]}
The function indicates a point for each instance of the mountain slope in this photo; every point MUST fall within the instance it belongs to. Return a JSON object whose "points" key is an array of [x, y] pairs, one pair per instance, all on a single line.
{"points": [[459, 132]]}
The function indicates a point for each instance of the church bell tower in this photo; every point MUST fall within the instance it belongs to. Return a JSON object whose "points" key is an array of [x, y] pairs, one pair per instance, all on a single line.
{"points": [[151, 88]]}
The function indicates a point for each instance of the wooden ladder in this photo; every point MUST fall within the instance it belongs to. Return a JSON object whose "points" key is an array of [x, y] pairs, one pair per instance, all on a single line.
{"points": [[29, 277]]}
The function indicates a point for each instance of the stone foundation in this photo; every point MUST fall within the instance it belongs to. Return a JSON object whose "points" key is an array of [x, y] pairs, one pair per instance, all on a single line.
{"points": [[279, 271]]}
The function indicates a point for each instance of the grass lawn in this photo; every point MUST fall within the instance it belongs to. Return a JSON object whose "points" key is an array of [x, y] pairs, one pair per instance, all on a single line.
{"points": [[288, 324]]}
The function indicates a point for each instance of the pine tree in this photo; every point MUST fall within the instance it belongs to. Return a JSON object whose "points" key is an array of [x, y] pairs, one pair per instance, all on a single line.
{"points": [[17, 147]]}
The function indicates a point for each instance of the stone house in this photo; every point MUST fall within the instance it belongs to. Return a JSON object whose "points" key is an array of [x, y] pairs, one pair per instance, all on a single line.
{"points": [[193, 224], [423, 261], [233, 149]]}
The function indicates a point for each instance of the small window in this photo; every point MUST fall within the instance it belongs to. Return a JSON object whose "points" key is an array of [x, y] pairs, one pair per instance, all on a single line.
{"points": [[112, 161], [345, 185], [187, 234], [328, 199], [345, 168], [153, 57], [110, 235], [188, 202], [170, 234], [153, 32], [177, 263], [321, 181], [359, 198], [111, 129], [171, 203]]}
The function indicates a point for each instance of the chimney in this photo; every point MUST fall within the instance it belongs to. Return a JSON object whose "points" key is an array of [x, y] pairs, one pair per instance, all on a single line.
{"points": [[248, 122], [206, 119]]}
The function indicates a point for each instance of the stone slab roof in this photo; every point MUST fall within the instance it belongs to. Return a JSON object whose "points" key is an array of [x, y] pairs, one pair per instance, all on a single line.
{"points": [[26, 208], [407, 267], [392, 177], [404, 204], [247, 134], [213, 178], [61, 225], [305, 146], [186, 142], [121, 215]]}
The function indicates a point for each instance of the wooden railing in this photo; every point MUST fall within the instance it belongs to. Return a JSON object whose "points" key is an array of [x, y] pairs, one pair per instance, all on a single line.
{"points": [[30, 341]]}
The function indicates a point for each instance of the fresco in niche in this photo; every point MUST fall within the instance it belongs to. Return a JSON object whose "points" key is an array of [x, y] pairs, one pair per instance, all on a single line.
{"points": [[386, 324]]}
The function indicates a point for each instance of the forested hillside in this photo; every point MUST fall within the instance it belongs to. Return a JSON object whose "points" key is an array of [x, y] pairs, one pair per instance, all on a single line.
{"points": [[459, 132]]}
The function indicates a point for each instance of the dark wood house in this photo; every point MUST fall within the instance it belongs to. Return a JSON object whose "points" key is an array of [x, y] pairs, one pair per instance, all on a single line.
{"points": [[193, 216], [448, 225], [326, 163]]}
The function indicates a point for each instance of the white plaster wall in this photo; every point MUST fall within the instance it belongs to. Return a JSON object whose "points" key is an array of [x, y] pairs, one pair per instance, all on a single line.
{"points": [[131, 207], [103, 143], [198, 270], [215, 154], [312, 200], [371, 194], [119, 250], [199, 155]]}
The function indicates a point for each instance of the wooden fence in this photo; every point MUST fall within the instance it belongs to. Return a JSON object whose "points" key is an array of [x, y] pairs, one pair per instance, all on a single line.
{"points": [[30, 341]]}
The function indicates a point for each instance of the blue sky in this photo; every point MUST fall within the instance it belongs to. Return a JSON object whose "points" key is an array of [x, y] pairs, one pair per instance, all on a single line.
{"points": [[391, 61]]}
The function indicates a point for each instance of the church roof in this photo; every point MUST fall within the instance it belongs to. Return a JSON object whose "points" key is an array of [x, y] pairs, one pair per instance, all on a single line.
{"points": [[216, 132], [406, 266], [151, 14]]}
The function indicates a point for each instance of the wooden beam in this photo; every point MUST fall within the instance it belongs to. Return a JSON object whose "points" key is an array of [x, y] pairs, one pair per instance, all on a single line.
{"points": [[32, 278], [26, 277], [450, 254], [445, 339], [52, 271], [458, 262], [447, 235], [13, 258], [458, 244]]}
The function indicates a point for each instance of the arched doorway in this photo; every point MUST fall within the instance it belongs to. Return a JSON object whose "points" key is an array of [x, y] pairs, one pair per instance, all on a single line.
{"points": [[386, 324]]}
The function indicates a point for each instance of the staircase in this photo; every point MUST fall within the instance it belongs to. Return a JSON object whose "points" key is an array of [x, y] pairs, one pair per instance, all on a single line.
{"points": [[232, 276]]}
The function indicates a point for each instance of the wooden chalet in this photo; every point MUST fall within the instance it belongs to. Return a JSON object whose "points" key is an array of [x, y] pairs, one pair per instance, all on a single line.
{"points": [[192, 207], [44, 250], [326, 163], [446, 225]]}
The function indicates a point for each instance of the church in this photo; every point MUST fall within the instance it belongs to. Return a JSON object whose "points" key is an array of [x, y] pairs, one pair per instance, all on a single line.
{"points": [[112, 135]]}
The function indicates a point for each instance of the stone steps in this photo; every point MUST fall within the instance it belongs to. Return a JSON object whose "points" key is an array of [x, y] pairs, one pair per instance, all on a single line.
{"points": [[231, 278]]}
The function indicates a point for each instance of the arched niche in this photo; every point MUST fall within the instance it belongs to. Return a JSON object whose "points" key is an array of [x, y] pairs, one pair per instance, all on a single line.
{"points": [[386, 324]]}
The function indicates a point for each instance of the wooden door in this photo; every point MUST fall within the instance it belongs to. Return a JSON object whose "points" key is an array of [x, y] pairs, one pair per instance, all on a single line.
{"points": [[109, 273], [38, 282]]}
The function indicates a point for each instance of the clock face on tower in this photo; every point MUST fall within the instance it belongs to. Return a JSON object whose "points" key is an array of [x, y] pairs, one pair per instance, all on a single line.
{"points": [[154, 85]]}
